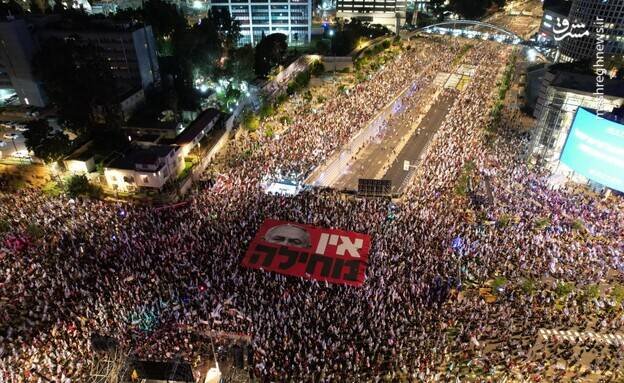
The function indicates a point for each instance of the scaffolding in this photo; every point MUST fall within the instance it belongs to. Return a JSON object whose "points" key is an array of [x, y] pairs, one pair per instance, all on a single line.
{"points": [[555, 119], [111, 366]]}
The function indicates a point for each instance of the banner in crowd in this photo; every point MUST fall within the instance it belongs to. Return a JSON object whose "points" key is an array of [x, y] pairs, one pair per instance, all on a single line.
{"points": [[306, 251]]}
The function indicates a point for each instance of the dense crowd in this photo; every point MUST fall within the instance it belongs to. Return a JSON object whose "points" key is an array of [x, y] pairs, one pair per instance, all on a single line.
{"points": [[158, 281]]}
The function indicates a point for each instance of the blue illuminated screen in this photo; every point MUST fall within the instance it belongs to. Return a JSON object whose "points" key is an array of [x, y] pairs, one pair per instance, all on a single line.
{"points": [[595, 149]]}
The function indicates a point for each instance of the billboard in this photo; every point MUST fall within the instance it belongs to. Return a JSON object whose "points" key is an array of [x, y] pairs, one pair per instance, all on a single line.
{"points": [[311, 252], [595, 149]]}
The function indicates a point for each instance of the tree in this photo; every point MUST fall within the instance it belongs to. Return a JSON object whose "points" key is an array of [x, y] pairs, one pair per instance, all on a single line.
{"points": [[164, 18], [46, 144], [206, 47], [270, 52], [79, 184], [322, 47], [226, 26], [299, 82], [343, 42], [240, 64], [347, 36], [202, 51], [77, 79], [196, 54]]}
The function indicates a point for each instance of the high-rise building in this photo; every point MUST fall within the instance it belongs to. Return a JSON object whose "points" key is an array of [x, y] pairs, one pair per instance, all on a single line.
{"points": [[17, 48], [261, 17], [562, 93], [390, 13], [552, 14], [129, 49], [601, 18]]}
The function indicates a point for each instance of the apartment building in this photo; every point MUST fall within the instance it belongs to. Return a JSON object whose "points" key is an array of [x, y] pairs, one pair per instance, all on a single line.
{"points": [[261, 17]]}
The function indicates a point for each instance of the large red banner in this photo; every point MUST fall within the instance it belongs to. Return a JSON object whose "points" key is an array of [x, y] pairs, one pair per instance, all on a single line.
{"points": [[306, 251]]}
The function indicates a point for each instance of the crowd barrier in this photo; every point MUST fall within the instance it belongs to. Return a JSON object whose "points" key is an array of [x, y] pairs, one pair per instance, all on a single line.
{"points": [[327, 174]]}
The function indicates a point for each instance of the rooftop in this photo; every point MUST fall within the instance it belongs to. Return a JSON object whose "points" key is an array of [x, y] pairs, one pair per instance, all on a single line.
{"points": [[82, 156], [150, 138], [83, 153], [92, 25], [146, 118], [587, 83], [195, 127], [131, 91], [140, 155]]}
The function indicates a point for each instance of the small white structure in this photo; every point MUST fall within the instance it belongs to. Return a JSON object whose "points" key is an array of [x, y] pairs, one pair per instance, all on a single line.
{"points": [[81, 161], [213, 375], [80, 165], [144, 167]]}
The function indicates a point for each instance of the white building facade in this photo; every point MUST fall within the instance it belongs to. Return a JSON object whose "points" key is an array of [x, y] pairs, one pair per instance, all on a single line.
{"points": [[150, 167], [257, 18], [391, 14]]}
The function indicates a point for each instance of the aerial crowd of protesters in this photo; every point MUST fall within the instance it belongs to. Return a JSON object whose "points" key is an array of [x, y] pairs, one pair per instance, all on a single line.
{"points": [[159, 281]]}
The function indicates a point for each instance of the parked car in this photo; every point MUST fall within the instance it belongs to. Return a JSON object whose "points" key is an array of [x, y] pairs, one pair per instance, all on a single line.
{"points": [[21, 128]]}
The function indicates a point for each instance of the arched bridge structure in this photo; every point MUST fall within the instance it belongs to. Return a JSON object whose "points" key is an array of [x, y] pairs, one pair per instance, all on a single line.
{"points": [[474, 29]]}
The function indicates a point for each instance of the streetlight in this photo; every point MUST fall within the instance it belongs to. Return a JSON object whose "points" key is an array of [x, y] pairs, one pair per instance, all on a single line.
{"points": [[331, 48]]}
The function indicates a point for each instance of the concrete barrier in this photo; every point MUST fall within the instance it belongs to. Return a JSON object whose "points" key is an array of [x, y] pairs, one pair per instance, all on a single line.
{"points": [[199, 169], [329, 172], [278, 85], [337, 63]]}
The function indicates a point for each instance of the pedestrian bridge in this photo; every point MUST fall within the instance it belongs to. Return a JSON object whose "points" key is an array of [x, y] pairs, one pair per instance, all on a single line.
{"points": [[475, 30]]}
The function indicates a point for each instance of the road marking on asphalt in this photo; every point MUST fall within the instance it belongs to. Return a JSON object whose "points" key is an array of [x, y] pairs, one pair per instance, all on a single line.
{"points": [[575, 336]]}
